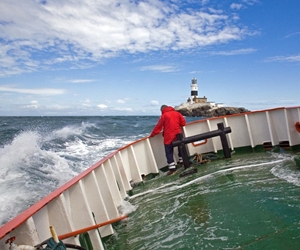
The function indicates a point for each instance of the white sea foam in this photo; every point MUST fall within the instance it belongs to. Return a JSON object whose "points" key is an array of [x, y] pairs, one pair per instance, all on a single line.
{"points": [[23, 145], [76, 148], [151, 190], [127, 208], [28, 173], [67, 131], [287, 174], [13, 156]]}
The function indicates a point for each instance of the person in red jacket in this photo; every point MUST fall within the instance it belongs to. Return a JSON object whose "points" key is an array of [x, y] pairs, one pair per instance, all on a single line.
{"points": [[170, 123]]}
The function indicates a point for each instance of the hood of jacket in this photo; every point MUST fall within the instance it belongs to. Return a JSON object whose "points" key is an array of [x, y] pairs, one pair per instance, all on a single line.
{"points": [[167, 109]]}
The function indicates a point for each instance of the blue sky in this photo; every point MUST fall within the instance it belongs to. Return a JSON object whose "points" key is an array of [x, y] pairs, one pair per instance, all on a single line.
{"points": [[119, 57]]}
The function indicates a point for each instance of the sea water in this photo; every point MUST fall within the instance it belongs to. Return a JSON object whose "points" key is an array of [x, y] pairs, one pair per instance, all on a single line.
{"points": [[247, 202]]}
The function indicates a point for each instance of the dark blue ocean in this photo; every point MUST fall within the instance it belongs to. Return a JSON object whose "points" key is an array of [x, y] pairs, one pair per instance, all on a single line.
{"points": [[39, 154]]}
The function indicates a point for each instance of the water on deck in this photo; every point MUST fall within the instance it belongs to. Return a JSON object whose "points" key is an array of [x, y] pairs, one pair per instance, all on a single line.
{"points": [[250, 201]]}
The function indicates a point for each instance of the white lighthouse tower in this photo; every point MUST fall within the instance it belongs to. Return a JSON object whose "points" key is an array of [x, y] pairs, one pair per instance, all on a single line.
{"points": [[194, 90]]}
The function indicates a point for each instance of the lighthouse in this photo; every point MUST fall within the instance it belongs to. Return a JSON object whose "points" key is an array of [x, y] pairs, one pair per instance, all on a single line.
{"points": [[194, 90], [194, 95]]}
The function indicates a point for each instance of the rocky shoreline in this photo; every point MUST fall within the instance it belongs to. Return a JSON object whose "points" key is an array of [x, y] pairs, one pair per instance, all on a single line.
{"points": [[201, 110]]}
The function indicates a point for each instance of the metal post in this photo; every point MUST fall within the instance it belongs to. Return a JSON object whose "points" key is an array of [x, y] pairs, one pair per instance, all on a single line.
{"points": [[224, 141], [184, 154]]}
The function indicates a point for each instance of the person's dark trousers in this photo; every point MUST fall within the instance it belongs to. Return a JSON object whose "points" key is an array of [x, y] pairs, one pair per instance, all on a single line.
{"points": [[169, 153]]}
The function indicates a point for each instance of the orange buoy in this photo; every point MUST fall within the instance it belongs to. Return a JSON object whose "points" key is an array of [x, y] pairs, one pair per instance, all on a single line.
{"points": [[297, 126]]}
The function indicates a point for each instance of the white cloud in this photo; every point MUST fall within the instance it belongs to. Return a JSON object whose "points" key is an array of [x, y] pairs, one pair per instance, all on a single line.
{"points": [[244, 4], [234, 52], [33, 105], [160, 68], [81, 80], [120, 101], [236, 6], [57, 32], [123, 109], [293, 58], [292, 34], [43, 91], [86, 103], [102, 106], [154, 103], [250, 2], [56, 107]]}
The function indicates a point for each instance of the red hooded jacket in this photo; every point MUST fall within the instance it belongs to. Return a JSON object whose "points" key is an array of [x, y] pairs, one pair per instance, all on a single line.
{"points": [[170, 122]]}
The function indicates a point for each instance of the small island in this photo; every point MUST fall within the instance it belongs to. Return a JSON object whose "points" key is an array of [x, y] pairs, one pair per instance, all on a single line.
{"points": [[200, 107]]}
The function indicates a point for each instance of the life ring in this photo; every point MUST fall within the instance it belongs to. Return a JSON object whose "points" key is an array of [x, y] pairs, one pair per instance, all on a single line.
{"points": [[297, 126]]}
